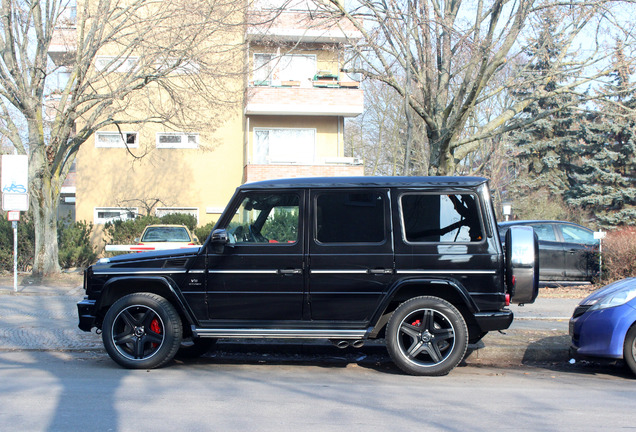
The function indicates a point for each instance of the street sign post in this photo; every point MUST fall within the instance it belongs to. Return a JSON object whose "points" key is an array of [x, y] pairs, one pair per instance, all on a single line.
{"points": [[600, 235], [15, 198]]}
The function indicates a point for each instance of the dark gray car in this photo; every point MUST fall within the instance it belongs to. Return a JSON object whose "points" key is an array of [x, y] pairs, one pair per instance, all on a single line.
{"points": [[567, 251]]}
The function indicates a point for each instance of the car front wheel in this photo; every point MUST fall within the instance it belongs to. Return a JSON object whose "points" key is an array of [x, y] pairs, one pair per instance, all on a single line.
{"points": [[427, 336], [142, 331], [629, 349]]}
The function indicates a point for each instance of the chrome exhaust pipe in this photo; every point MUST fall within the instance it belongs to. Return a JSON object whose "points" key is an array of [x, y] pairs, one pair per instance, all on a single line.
{"points": [[342, 344], [357, 343]]}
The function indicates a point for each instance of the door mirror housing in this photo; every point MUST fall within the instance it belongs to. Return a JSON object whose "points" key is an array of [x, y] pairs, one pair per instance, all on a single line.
{"points": [[220, 236], [218, 240]]}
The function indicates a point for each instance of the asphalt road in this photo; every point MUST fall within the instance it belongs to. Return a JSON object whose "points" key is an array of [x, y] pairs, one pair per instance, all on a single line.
{"points": [[72, 391]]}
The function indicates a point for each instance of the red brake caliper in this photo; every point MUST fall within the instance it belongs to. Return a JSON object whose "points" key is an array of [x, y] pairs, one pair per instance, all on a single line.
{"points": [[416, 323], [155, 327]]}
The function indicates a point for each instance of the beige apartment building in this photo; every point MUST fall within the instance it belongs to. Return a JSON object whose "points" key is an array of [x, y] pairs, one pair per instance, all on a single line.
{"points": [[289, 123]]}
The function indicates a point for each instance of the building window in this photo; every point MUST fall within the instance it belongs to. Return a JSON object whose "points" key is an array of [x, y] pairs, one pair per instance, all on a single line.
{"points": [[116, 139], [103, 215], [177, 140], [163, 211], [273, 146], [115, 64], [272, 69]]}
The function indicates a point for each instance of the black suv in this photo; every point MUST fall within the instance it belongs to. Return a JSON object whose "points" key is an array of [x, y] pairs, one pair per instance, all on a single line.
{"points": [[415, 260]]}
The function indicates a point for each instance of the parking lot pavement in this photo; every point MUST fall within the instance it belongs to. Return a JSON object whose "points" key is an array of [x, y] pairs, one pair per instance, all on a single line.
{"points": [[45, 318]]}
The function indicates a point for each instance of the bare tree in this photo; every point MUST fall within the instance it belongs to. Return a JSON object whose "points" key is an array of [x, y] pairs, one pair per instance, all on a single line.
{"points": [[128, 62], [454, 50], [378, 135]]}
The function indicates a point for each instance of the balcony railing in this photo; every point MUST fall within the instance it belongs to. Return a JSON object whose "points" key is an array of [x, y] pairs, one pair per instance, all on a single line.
{"points": [[299, 26], [332, 100]]}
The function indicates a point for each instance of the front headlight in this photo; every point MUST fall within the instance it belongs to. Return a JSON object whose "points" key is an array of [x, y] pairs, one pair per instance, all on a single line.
{"points": [[613, 299]]}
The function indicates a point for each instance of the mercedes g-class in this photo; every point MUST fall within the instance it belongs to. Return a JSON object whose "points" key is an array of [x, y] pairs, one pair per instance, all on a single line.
{"points": [[414, 260]]}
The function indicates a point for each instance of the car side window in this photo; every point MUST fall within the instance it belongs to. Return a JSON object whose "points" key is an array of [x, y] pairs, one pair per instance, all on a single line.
{"points": [[350, 217], [435, 218], [574, 234], [545, 232], [266, 219]]}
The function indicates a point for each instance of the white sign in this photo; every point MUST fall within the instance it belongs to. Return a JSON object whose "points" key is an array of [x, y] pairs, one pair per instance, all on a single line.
{"points": [[15, 174], [599, 235], [15, 182], [15, 202]]}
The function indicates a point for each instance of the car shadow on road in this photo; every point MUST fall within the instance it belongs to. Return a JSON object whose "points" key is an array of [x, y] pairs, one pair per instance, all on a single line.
{"points": [[552, 353]]}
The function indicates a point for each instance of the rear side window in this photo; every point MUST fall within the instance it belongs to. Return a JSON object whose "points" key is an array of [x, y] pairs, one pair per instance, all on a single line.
{"points": [[574, 234], [350, 217], [434, 218], [544, 232]]}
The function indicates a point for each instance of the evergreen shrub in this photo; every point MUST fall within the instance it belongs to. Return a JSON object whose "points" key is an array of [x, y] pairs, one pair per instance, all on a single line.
{"points": [[74, 244], [26, 244], [203, 232]]}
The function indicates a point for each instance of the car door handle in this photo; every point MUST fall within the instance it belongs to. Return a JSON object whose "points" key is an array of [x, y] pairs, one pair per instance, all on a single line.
{"points": [[290, 272], [380, 271]]}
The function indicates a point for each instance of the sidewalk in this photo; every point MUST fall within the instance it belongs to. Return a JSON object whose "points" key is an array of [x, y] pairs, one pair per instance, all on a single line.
{"points": [[45, 318]]}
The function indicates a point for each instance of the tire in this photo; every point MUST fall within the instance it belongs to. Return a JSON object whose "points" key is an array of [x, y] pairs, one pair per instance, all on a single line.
{"points": [[142, 331], [194, 347], [629, 349], [427, 336]]}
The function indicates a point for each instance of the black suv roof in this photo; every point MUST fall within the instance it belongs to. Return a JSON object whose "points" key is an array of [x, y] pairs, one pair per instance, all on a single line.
{"points": [[346, 182]]}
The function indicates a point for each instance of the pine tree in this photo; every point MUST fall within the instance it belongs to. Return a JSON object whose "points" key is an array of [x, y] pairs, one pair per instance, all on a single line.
{"points": [[546, 150], [605, 181]]}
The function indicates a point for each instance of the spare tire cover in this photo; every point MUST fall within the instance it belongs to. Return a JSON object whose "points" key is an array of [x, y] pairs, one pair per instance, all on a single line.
{"points": [[522, 264]]}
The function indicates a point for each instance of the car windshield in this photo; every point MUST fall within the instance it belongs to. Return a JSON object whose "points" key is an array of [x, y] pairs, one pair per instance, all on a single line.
{"points": [[166, 234]]}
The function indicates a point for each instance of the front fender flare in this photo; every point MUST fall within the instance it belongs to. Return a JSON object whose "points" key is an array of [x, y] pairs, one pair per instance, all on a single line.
{"points": [[170, 285]]}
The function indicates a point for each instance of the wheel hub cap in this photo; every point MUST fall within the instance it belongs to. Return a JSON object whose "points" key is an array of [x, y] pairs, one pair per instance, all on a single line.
{"points": [[139, 331], [426, 336]]}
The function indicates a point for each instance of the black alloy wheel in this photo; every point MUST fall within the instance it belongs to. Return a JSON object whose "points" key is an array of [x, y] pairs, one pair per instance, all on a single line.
{"points": [[142, 331], [427, 336]]}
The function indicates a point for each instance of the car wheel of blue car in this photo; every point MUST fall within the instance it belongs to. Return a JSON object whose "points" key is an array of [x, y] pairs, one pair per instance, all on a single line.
{"points": [[629, 349]]}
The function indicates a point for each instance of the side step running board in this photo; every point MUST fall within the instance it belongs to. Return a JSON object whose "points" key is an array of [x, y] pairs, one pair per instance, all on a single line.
{"points": [[278, 333]]}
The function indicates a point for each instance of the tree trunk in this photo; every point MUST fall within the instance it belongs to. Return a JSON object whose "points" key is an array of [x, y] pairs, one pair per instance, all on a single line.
{"points": [[44, 192], [45, 261]]}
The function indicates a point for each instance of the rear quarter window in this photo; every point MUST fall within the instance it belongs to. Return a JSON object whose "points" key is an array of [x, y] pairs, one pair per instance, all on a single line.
{"points": [[437, 218]]}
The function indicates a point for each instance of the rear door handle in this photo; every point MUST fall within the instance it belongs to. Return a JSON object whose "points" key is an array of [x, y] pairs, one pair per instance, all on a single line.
{"points": [[290, 272], [380, 271]]}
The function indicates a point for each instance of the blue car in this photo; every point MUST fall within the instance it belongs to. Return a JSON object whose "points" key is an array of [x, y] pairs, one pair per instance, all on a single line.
{"points": [[604, 324]]}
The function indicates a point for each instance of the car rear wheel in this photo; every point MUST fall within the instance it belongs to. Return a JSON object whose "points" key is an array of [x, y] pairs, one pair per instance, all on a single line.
{"points": [[142, 331], [629, 349], [427, 336]]}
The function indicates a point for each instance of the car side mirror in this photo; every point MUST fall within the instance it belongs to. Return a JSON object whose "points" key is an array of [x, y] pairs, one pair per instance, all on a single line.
{"points": [[219, 239], [220, 236]]}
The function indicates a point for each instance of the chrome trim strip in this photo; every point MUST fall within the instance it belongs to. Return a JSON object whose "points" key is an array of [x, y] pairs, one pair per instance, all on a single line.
{"points": [[279, 333], [139, 272], [197, 271], [446, 272], [339, 271], [243, 271]]}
